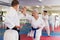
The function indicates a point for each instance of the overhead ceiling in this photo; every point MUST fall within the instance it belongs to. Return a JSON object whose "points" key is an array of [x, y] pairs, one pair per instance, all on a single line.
{"points": [[35, 2]]}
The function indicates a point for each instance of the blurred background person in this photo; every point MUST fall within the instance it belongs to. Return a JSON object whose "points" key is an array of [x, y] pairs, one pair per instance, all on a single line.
{"points": [[52, 21], [57, 21], [46, 18]]}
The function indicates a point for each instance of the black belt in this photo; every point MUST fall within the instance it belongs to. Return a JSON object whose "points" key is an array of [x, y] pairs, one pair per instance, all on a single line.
{"points": [[14, 29]]}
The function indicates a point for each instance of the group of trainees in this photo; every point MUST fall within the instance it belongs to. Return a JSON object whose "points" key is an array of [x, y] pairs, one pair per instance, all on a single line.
{"points": [[54, 21], [37, 21]]}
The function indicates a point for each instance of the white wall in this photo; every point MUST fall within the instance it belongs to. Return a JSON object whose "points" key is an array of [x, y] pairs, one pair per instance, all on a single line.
{"points": [[7, 1]]}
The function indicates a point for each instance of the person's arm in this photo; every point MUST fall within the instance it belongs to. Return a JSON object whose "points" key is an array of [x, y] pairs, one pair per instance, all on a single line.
{"points": [[29, 18], [42, 25]]}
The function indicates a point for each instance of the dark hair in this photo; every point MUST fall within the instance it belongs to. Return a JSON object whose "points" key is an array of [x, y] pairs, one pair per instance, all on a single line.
{"points": [[14, 3], [45, 11], [39, 13]]}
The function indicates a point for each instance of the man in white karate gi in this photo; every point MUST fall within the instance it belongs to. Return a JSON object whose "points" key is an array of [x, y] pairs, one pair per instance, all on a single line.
{"points": [[52, 22], [12, 20], [46, 18], [57, 21]]}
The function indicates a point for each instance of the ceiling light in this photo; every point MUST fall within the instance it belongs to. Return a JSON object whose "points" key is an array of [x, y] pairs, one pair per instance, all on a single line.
{"points": [[40, 0], [37, 6]]}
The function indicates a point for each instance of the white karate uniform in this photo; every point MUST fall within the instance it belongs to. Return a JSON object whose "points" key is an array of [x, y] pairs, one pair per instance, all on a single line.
{"points": [[52, 21], [35, 24], [11, 18], [11, 35], [46, 18], [57, 22]]}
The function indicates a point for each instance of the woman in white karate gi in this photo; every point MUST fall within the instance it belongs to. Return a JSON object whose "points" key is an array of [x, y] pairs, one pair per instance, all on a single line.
{"points": [[46, 18], [37, 24]]}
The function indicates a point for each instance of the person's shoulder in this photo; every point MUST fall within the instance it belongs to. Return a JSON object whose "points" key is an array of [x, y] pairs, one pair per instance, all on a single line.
{"points": [[9, 9]]}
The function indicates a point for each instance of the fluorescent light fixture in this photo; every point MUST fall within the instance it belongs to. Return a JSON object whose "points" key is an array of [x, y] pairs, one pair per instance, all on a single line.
{"points": [[40, 0], [37, 6], [55, 14]]}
